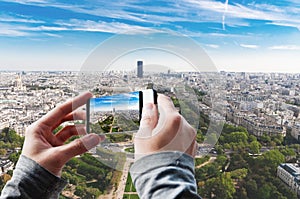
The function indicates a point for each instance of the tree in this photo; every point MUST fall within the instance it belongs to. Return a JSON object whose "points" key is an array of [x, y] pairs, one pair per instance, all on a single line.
{"points": [[212, 138], [265, 138], [252, 138], [14, 157], [220, 187], [265, 191], [236, 137], [251, 188], [254, 147], [239, 173], [272, 159], [3, 152]]}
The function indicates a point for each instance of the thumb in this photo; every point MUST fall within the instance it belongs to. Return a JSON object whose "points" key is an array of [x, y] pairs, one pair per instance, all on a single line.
{"points": [[80, 145], [148, 121]]}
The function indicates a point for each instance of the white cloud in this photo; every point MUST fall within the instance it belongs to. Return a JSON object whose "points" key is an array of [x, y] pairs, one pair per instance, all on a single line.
{"points": [[182, 11], [285, 47], [12, 33], [72, 25], [23, 19], [101, 26], [27, 1], [276, 14], [213, 46], [250, 46]]}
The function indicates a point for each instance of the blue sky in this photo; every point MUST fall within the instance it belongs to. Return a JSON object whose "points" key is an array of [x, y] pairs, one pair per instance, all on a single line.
{"points": [[129, 101], [239, 35]]}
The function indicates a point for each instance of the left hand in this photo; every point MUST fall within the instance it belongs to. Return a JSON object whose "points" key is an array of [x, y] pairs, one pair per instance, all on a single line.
{"points": [[49, 150]]}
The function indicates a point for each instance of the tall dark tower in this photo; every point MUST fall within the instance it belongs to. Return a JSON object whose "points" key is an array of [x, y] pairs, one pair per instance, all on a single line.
{"points": [[140, 69]]}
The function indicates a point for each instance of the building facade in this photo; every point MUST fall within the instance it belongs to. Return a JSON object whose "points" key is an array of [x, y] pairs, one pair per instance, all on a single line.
{"points": [[290, 175], [140, 69]]}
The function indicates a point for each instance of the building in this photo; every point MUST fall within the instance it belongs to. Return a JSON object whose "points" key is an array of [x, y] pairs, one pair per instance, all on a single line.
{"points": [[296, 131], [140, 69], [290, 175]]}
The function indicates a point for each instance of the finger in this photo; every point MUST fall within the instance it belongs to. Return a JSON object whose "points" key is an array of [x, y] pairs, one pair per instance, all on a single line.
{"points": [[75, 115], [69, 131], [148, 121], [80, 145], [166, 110], [149, 116], [54, 117]]}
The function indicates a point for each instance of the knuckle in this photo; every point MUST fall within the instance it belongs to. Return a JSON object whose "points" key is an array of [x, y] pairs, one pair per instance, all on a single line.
{"points": [[175, 118], [78, 145]]}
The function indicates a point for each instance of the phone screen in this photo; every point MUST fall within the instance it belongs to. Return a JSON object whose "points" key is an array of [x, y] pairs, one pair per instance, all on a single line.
{"points": [[117, 113]]}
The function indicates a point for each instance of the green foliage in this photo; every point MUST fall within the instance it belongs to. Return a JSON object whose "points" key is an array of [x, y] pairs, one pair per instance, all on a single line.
{"points": [[129, 187], [14, 157], [253, 176], [239, 173], [57, 129], [211, 138], [288, 152], [130, 196], [130, 149], [228, 128], [254, 147], [9, 139], [219, 187], [119, 137], [199, 161], [3, 152], [272, 159], [236, 137], [91, 177], [199, 136]]}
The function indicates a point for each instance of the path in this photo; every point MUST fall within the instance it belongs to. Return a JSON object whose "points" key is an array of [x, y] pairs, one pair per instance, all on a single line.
{"points": [[211, 159], [122, 183]]}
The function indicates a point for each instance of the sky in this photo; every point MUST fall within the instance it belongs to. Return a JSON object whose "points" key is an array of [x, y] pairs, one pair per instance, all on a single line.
{"points": [[238, 35], [129, 101]]}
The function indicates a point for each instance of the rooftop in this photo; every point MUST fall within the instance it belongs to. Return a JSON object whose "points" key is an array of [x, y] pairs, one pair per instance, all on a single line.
{"points": [[293, 169]]}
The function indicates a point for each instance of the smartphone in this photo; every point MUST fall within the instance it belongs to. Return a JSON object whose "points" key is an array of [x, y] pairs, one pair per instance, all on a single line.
{"points": [[117, 113]]}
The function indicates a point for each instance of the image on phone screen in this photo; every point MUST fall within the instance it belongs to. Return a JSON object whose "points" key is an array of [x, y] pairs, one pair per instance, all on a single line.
{"points": [[117, 113]]}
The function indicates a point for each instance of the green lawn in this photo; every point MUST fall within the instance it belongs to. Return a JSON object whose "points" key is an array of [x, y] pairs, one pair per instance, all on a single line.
{"points": [[131, 196], [129, 185]]}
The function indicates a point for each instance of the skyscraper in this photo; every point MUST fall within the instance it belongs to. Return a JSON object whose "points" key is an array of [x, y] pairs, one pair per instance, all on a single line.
{"points": [[140, 69]]}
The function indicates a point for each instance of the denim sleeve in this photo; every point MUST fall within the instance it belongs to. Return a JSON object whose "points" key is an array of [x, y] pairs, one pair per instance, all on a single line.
{"points": [[30, 180], [165, 175]]}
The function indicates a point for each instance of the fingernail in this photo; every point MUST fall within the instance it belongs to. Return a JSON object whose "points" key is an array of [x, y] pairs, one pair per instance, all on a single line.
{"points": [[102, 137], [147, 111], [90, 141], [148, 107]]}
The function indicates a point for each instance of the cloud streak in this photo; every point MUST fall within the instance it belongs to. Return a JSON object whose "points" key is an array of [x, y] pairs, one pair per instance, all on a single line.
{"points": [[72, 25], [285, 47], [195, 11], [249, 46]]}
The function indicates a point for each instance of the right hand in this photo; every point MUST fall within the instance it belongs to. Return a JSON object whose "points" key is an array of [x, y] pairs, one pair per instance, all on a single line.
{"points": [[166, 131]]}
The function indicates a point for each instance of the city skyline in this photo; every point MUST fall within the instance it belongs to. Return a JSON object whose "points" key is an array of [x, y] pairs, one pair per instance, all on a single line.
{"points": [[240, 35]]}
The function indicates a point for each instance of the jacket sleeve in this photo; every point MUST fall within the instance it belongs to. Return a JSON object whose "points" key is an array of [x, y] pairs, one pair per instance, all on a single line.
{"points": [[30, 180], [165, 175]]}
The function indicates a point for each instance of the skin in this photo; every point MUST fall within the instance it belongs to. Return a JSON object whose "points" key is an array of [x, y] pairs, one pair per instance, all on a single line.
{"points": [[164, 129], [48, 149], [161, 129]]}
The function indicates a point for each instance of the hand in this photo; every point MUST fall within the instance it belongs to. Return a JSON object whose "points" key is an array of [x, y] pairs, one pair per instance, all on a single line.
{"points": [[167, 132], [49, 150]]}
